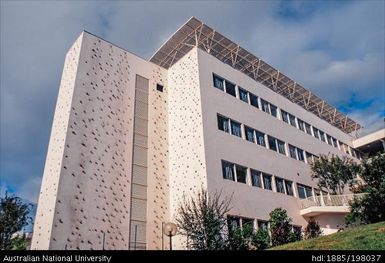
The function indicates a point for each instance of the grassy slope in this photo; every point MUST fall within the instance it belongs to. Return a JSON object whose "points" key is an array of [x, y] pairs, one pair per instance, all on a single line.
{"points": [[364, 237]]}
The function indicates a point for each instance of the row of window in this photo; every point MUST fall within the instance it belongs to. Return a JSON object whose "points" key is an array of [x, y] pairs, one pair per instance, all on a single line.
{"points": [[252, 135], [234, 222], [240, 174], [290, 119]]}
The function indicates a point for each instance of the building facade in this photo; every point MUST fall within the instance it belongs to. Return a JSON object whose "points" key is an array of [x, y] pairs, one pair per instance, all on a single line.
{"points": [[131, 138]]}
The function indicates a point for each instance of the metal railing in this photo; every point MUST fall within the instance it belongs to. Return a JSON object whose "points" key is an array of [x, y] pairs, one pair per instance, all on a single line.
{"points": [[329, 200]]}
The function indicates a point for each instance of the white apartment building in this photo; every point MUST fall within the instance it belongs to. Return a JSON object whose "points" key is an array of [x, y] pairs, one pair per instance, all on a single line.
{"points": [[132, 137]]}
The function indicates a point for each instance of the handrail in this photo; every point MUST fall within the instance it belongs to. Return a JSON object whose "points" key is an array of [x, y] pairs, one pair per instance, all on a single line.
{"points": [[329, 200]]}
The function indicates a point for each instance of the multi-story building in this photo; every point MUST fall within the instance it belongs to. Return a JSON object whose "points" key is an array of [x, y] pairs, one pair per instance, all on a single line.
{"points": [[131, 138]]}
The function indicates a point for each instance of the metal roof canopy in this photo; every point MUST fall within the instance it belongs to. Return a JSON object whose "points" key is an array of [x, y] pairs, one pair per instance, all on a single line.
{"points": [[196, 33]]}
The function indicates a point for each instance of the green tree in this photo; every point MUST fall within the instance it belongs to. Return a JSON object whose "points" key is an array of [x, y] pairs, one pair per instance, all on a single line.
{"points": [[202, 219], [241, 238], [13, 217], [334, 173], [280, 227], [312, 229], [371, 207]]}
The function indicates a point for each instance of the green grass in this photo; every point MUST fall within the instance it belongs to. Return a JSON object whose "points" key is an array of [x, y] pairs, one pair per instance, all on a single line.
{"points": [[361, 238]]}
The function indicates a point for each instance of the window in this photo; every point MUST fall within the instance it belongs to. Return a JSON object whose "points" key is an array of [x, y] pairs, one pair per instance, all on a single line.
{"points": [[233, 222], [289, 187], [235, 128], [279, 184], [300, 155], [159, 87], [308, 128], [263, 224], [267, 181], [322, 135], [335, 142], [304, 191], [256, 178], [230, 88], [293, 153], [223, 123], [241, 173], [273, 110], [218, 82], [309, 158], [329, 139], [285, 116], [260, 138], [281, 147], [228, 170], [249, 132], [265, 106], [292, 120], [315, 132], [254, 100], [301, 125], [272, 143], [243, 95]]}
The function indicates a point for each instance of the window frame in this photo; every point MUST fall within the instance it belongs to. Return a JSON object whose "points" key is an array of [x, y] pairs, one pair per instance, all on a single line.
{"points": [[240, 91], [275, 143], [234, 87], [220, 78], [228, 123], [246, 129], [232, 123], [263, 135]]}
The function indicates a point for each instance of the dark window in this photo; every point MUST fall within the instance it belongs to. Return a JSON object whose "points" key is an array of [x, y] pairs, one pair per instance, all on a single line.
{"points": [[285, 116], [263, 224], [304, 191], [279, 185], [308, 128], [256, 178], [159, 87], [301, 192], [243, 95], [230, 88], [218, 82], [223, 123], [260, 138], [273, 110], [301, 125], [335, 142], [228, 170], [300, 155], [316, 132], [241, 173], [235, 128], [267, 181], [292, 120], [322, 135], [329, 139], [289, 187], [272, 143], [265, 106], [254, 100], [281, 147], [249, 132], [293, 153]]}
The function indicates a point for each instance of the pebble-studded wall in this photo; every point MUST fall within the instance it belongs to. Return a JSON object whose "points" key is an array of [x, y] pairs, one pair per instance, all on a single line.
{"points": [[187, 167], [92, 175]]}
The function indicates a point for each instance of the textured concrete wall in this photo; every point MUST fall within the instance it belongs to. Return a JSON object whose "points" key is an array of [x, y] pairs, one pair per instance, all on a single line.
{"points": [[187, 167], [53, 165], [93, 174]]}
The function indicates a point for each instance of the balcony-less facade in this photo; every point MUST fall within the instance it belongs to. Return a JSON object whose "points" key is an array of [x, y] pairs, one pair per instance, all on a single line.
{"points": [[131, 138]]}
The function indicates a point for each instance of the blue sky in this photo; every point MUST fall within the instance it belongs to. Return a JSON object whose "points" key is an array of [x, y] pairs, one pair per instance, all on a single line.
{"points": [[333, 48]]}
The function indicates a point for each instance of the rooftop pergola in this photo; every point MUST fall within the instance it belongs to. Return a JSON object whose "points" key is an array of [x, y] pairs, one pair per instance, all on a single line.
{"points": [[195, 33]]}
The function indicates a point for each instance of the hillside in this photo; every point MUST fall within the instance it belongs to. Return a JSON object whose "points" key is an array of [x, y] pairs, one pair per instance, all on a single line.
{"points": [[362, 238]]}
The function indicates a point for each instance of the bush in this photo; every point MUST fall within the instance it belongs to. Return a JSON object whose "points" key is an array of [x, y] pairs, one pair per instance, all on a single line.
{"points": [[312, 229], [261, 239]]}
